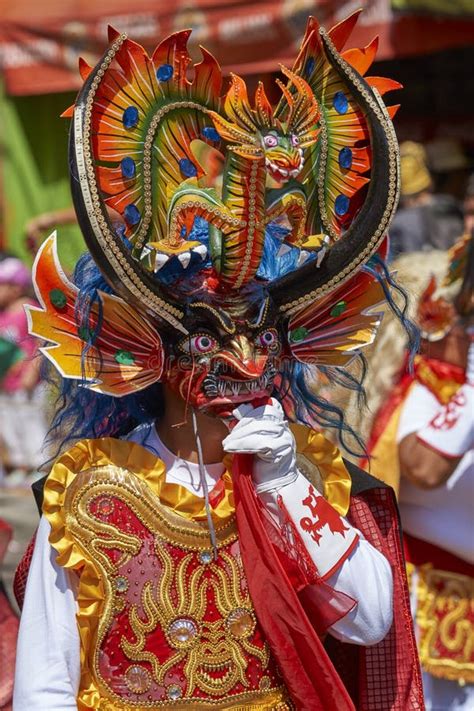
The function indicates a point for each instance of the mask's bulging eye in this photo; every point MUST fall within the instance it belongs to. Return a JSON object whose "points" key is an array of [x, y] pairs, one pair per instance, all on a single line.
{"points": [[268, 339], [270, 141], [295, 141], [199, 344]]}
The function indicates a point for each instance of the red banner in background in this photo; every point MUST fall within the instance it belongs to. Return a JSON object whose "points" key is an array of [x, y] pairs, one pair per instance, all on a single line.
{"points": [[40, 45]]}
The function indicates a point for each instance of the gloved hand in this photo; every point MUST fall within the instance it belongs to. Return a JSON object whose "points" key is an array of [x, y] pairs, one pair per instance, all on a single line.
{"points": [[264, 432]]}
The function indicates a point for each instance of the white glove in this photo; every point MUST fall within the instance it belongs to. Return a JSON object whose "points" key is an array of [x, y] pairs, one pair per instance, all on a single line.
{"points": [[264, 432], [451, 431]]}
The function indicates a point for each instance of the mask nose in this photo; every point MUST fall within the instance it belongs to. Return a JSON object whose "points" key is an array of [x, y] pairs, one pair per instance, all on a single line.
{"points": [[240, 360]]}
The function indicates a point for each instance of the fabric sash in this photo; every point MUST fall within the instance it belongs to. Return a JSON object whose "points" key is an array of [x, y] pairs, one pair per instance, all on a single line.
{"points": [[309, 674]]}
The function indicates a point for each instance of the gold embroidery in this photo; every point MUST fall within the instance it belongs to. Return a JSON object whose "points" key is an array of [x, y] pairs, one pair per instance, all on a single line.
{"points": [[88, 487], [214, 651], [113, 481], [445, 616], [248, 701]]}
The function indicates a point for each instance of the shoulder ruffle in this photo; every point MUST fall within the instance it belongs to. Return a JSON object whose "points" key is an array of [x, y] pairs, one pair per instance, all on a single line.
{"points": [[327, 458], [85, 455]]}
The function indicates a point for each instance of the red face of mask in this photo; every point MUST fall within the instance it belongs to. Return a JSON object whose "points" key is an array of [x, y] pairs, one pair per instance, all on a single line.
{"points": [[216, 373]]}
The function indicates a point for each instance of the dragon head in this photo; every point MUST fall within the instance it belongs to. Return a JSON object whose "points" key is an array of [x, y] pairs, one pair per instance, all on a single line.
{"points": [[283, 155], [255, 132]]}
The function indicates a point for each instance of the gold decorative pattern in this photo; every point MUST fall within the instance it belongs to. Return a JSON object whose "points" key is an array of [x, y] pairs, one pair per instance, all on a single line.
{"points": [[261, 700], [88, 183], [199, 606], [215, 652], [113, 481], [445, 616]]}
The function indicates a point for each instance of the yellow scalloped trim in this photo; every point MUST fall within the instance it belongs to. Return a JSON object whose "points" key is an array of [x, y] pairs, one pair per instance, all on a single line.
{"points": [[328, 459]]}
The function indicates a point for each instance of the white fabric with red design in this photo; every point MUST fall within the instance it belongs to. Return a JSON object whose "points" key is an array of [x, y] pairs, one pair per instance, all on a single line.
{"points": [[451, 430], [264, 432]]}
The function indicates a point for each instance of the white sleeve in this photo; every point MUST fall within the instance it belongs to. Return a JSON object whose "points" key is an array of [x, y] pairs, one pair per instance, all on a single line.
{"points": [[417, 411], [366, 577], [343, 558], [48, 652]]}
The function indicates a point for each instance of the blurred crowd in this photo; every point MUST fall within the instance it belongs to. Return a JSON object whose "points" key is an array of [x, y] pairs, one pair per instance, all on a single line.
{"points": [[436, 197], [22, 418], [419, 427]]}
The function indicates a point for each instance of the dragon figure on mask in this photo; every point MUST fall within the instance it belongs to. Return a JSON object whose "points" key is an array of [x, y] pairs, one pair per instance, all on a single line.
{"points": [[182, 195]]}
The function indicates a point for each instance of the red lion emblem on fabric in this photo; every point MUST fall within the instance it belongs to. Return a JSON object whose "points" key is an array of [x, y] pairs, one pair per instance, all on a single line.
{"points": [[322, 513]]}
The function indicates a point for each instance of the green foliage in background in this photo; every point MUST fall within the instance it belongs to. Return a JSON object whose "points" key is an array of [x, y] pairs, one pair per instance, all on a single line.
{"points": [[34, 169], [443, 7]]}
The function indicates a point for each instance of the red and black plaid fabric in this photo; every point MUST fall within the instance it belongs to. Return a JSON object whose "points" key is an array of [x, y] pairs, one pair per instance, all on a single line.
{"points": [[8, 632], [385, 676], [21, 573]]}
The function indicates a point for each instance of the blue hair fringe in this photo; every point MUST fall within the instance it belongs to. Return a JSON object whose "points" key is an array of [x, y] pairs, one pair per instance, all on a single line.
{"points": [[377, 267]]}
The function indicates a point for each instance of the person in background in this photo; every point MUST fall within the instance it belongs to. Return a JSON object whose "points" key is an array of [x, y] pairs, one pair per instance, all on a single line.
{"points": [[449, 167], [20, 394], [424, 220], [422, 441]]}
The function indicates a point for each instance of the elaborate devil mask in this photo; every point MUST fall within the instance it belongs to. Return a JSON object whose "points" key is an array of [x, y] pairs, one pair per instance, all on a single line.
{"points": [[243, 228]]}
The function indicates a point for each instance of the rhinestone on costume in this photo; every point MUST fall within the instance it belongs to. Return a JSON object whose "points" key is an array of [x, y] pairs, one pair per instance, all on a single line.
{"points": [[120, 232], [105, 506], [124, 357], [298, 334], [58, 298], [121, 584], [341, 205], [86, 334], [338, 308], [205, 557], [340, 102], [240, 622], [174, 692], [138, 679], [345, 158], [132, 214], [164, 72], [128, 168], [211, 134], [182, 632], [309, 66], [130, 117], [187, 168]]}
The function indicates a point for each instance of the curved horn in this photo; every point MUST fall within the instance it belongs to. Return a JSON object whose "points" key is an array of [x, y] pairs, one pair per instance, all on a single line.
{"points": [[124, 274], [367, 230]]}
